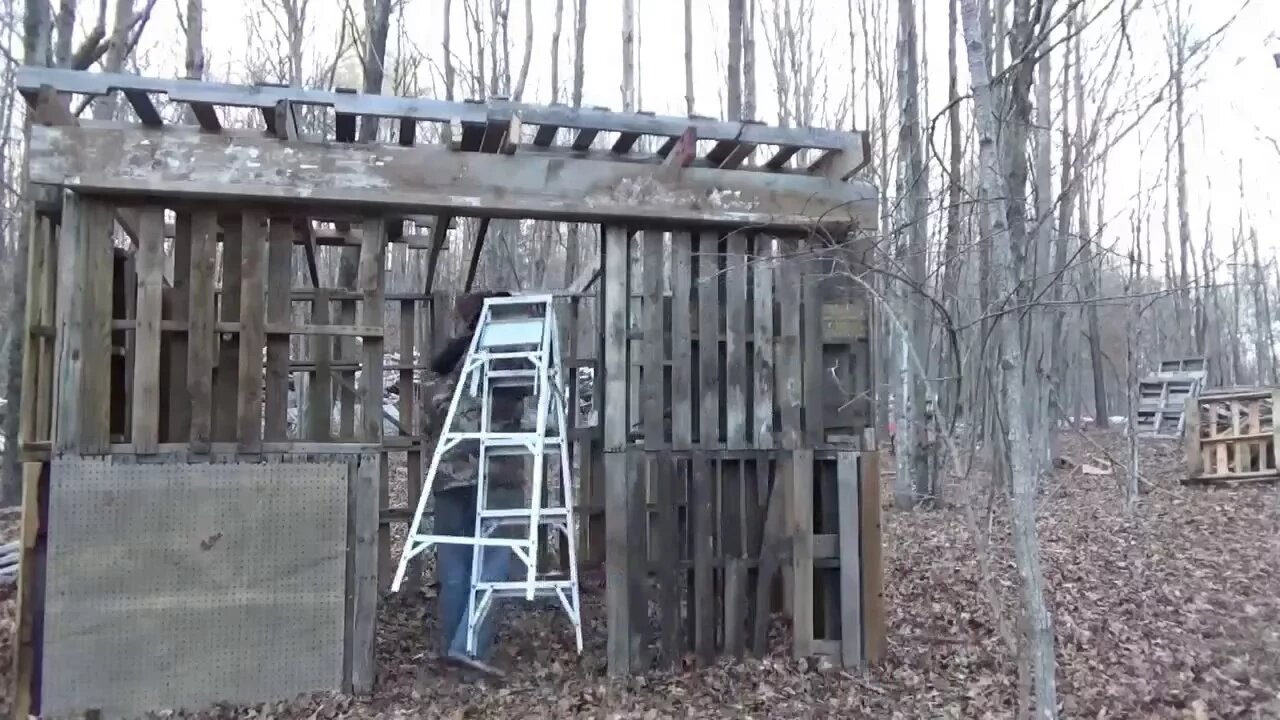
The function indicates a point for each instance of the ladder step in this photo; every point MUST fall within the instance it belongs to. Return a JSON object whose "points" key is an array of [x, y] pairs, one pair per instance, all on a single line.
{"points": [[519, 587], [549, 513], [499, 440]]}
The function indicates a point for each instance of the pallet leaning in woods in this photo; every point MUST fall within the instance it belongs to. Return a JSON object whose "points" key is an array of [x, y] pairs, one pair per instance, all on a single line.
{"points": [[1163, 395], [1232, 436]]}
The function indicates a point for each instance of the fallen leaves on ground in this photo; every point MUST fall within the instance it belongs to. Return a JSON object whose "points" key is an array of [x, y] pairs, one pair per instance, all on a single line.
{"points": [[1172, 611]]}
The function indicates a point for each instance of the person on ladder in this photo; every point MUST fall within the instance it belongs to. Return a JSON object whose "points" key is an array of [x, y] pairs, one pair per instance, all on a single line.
{"points": [[455, 490]]}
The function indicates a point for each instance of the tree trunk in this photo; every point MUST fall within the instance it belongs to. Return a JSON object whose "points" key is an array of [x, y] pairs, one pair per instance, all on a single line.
{"points": [[104, 108], [555, 52], [579, 39], [1037, 621], [688, 57], [1088, 268], [951, 262], [628, 56], [749, 61], [37, 29], [1179, 119], [1263, 343], [377, 24], [449, 72], [914, 483], [1059, 365], [734, 79], [518, 92], [64, 30]]}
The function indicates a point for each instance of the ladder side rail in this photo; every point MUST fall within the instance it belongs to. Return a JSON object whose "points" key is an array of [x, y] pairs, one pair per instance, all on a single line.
{"points": [[412, 544]]}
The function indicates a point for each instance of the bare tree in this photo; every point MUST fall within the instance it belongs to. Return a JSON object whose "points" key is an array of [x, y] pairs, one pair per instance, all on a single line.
{"points": [[914, 482], [628, 56], [374, 56], [748, 61], [734, 79], [688, 57], [555, 52], [447, 51], [1016, 454]]}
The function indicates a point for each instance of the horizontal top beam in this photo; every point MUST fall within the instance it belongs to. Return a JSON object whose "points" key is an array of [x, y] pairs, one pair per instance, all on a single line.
{"points": [[247, 166], [839, 152]]}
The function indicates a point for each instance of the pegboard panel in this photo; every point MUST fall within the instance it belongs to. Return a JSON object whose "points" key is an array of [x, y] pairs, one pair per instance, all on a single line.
{"points": [[179, 585]]}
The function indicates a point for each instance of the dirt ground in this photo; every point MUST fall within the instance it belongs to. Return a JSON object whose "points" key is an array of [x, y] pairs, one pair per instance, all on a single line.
{"points": [[1171, 612]]}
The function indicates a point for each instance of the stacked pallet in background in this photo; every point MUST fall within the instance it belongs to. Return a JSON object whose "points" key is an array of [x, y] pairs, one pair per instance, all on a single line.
{"points": [[1232, 436], [1163, 396]]}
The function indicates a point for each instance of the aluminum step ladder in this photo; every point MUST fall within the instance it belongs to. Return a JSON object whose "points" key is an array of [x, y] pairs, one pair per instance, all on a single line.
{"points": [[515, 346]]}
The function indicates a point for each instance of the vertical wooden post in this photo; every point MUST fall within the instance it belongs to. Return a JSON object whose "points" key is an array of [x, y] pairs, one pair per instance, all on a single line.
{"points": [[363, 507], [850, 541], [814, 407], [95, 394], [371, 278], [69, 308], [34, 380], [621, 476], [762, 278], [409, 422], [227, 379], [800, 510], [871, 553], [735, 349], [320, 394], [279, 310], [178, 425], [253, 337], [1191, 438], [708, 342], [146, 364], [202, 336]]}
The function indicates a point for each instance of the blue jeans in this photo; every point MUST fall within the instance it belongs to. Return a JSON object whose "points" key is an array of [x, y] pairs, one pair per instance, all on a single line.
{"points": [[455, 514]]}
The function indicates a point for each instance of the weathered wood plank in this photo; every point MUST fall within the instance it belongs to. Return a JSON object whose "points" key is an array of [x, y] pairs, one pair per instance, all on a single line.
{"points": [[870, 530], [34, 378], [364, 561], [149, 260], [681, 340], [668, 537], [735, 605], [703, 531], [202, 341], [788, 364], [652, 349], [320, 392], [178, 416], [227, 377], [736, 341], [709, 340], [409, 423], [800, 522], [69, 308], [370, 281], [253, 335], [29, 572], [849, 517], [773, 545], [31, 78], [95, 394], [762, 331], [814, 406], [279, 306], [435, 179], [617, 495]]}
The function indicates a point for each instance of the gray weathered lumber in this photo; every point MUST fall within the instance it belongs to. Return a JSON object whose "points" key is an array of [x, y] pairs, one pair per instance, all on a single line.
{"points": [[429, 179], [496, 111]]}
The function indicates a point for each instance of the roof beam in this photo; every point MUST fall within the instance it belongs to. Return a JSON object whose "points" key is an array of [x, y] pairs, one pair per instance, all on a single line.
{"points": [[433, 179]]}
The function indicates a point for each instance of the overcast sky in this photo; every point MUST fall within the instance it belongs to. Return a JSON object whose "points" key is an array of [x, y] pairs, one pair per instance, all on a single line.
{"points": [[1233, 107]]}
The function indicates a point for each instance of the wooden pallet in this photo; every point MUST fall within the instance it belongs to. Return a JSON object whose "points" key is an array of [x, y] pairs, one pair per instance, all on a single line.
{"points": [[1232, 436], [1162, 399]]}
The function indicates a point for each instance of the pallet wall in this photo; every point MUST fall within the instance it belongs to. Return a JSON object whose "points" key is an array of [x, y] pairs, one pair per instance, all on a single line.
{"points": [[724, 451]]}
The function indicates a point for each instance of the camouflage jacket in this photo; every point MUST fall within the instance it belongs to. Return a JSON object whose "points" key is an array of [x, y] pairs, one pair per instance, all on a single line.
{"points": [[460, 465]]}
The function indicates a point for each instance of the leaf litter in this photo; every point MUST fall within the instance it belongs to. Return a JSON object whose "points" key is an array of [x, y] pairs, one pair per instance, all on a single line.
{"points": [[1172, 611]]}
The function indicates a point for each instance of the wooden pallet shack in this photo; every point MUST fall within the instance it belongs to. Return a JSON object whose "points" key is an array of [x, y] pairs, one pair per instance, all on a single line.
{"points": [[177, 500], [1232, 436]]}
